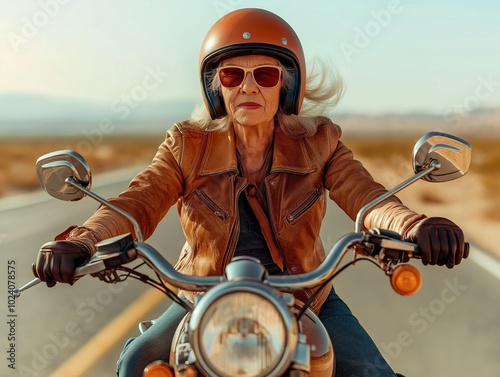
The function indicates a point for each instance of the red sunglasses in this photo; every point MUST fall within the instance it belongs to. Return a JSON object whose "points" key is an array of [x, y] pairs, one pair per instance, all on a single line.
{"points": [[266, 76]]}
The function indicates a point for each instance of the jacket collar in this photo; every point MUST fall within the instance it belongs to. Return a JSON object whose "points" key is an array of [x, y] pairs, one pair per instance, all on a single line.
{"points": [[289, 154], [220, 154]]}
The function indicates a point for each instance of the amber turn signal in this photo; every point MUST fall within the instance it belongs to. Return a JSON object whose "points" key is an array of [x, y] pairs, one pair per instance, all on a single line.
{"points": [[406, 280], [158, 369]]}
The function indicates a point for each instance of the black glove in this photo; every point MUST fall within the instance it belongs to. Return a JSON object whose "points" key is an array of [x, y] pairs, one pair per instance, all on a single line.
{"points": [[440, 241], [57, 261]]}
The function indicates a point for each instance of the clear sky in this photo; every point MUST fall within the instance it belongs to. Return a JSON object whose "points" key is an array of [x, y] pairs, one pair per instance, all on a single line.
{"points": [[396, 55]]}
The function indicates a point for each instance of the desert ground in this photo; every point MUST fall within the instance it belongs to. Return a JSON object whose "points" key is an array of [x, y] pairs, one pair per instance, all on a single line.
{"points": [[473, 201]]}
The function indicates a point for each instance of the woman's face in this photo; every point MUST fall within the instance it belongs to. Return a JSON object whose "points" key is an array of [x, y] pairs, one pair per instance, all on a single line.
{"points": [[251, 104]]}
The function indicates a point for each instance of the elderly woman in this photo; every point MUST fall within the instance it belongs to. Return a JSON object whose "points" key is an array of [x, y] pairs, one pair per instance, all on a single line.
{"points": [[249, 173]]}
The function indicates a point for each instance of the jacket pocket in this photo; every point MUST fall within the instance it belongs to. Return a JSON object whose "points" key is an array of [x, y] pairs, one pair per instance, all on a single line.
{"points": [[308, 203], [211, 204]]}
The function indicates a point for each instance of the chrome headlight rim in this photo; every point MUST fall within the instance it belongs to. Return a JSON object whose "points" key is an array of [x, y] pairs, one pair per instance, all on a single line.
{"points": [[256, 288]]}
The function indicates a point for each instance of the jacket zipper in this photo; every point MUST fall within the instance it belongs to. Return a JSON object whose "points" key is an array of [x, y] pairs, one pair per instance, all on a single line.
{"points": [[304, 206], [234, 234], [210, 203], [271, 221]]}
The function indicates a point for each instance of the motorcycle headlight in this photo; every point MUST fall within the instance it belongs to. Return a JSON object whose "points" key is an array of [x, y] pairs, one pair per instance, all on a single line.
{"points": [[242, 333]]}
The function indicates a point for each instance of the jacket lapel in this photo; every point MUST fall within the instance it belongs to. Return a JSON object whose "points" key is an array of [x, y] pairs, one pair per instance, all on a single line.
{"points": [[220, 154], [290, 154]]}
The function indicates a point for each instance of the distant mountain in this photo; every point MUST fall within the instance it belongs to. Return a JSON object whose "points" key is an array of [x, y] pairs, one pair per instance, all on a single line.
{"points": [[30, 107], [23, 113], [483, 122]]}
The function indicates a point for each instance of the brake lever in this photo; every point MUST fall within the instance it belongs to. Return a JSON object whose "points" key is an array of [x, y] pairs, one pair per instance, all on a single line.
{"points": [[391, 243], [387, 245]]}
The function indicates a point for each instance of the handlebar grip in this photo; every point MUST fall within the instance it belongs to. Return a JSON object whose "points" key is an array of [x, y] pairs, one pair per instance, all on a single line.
{"points": [[416, 253], [79, 272]]}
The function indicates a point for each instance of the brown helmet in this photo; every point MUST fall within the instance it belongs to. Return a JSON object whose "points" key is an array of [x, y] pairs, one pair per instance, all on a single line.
{"points": [[253, 32]]}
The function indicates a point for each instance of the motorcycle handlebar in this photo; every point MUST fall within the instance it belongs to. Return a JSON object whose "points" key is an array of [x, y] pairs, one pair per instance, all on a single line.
{"points": [[322, 273], [79, 272], [201, 283], [168, 273]]}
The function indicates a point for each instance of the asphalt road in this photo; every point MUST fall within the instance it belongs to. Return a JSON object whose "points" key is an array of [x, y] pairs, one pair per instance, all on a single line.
{"points": [[450, 328]]}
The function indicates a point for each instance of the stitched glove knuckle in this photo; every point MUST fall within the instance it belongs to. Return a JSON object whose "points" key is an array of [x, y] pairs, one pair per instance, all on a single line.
{"points": [[57, 261]]}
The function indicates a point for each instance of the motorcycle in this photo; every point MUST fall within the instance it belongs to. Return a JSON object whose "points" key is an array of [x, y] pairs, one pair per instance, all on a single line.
{"points": [[247, 322]]}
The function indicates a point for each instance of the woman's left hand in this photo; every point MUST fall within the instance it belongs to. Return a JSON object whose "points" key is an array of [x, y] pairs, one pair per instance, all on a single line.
{"points": [[440, 241]]}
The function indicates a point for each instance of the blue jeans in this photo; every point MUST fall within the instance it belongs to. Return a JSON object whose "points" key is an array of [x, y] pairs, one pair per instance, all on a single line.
{"points": [[356, 354]]}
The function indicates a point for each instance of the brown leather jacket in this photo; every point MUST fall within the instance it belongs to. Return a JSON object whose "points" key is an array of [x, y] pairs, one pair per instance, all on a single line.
{"points": [[198, 170]]}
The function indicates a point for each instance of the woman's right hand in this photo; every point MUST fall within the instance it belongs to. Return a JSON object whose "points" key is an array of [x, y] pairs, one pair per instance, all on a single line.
{"points": [[58, 260]]}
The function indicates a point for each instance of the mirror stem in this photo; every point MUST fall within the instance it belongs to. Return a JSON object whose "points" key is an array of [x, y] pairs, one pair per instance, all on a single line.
{"points": [[362, 212], [138, 233]]}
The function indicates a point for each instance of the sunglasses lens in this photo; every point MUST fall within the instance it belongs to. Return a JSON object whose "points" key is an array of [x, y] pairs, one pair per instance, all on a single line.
{"points": [[263, 76], [266, 76], [231, 77]]}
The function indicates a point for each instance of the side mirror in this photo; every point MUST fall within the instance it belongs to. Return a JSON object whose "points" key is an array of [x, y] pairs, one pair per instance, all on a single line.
{"points": [[437, 157], [53, 169], [452, 154]]}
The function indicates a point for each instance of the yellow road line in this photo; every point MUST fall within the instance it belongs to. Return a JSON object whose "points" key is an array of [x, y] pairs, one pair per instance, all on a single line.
{"points": [[90, 353]]}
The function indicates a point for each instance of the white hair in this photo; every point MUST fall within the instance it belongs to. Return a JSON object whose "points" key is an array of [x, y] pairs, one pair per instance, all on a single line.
{"points": [[324, 89]]}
